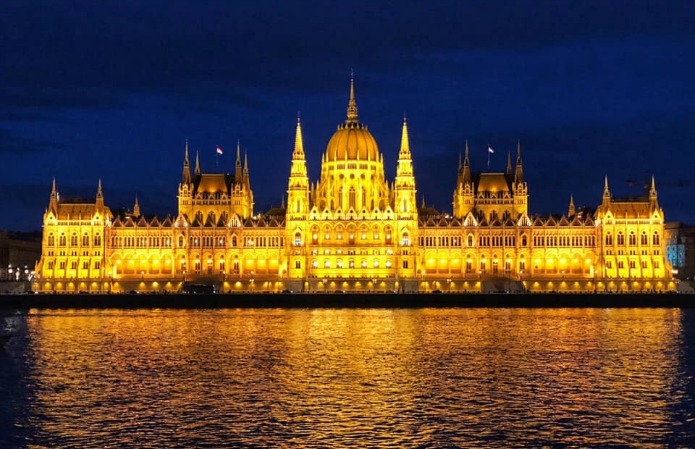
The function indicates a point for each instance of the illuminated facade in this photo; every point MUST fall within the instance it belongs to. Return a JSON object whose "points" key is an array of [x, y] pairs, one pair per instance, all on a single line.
{"points": [[353, 230]]}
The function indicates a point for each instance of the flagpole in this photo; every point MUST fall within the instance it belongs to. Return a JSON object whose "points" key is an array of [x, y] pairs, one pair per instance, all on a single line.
{"points": [[488, 157], [217, 157]]}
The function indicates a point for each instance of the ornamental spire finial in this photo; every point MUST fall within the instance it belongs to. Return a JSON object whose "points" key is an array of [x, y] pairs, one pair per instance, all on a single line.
{"points": [[298, 142], [352, 105]]}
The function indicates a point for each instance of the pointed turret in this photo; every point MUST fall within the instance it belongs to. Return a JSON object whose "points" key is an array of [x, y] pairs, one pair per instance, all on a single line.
{"points": [[237, 173], [186, 177], [197, 163], [100, 196], [606, 191], [466, 167], [298, 153], [570, 210], [136, 208], [53, 203], [405, 143], [247, 182], [652, 194], [509, 163], [404, 184], [352, 104], [519, 173]]}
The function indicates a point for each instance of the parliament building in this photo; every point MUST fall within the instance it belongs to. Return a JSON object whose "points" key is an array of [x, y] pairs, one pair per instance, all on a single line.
{"points": [[353, 230]]}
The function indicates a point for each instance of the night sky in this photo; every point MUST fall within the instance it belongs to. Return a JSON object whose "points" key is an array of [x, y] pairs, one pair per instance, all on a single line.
{"points": [[112, 90]]}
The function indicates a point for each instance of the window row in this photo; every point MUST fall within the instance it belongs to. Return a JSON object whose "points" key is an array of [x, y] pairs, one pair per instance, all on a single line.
{"points": [[74, 240], [632, 239], [74, 264]]}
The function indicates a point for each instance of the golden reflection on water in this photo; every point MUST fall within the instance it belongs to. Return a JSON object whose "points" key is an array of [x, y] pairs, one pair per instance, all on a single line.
{"points": [[354, 378]]}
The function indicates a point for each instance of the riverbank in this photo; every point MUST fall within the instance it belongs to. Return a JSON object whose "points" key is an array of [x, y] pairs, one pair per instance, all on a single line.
{"points": [[374, 300]]}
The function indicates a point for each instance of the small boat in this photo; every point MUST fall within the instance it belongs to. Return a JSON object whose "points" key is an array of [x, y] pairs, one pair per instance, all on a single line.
{"points": [[4, 339]]}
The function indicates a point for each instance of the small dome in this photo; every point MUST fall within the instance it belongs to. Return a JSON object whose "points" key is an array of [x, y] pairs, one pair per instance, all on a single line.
{"points": [[352, 141]]}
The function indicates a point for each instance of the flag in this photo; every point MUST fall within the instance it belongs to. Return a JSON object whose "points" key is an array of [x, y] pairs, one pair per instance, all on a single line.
{"points": [[489, 149], [219, 150]]}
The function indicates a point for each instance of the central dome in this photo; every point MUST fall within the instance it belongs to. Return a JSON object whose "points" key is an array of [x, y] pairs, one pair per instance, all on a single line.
{"points": [[352, 141]]}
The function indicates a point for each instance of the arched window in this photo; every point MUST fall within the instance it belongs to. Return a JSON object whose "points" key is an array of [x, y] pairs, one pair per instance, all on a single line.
{"points": [[406, 239], [352, 198], [609, 239], [181, 241], [85, 240], [643, 239], [51, 240], [523, 240], [97, 240], [73, 240], [632, 239], [234, 241], [655, 238], [621, 238], [61, 240], [470, 240], [298, 239]]}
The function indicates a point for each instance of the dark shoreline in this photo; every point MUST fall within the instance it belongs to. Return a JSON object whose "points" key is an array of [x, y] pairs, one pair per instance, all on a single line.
{"points": [[371, 300]]}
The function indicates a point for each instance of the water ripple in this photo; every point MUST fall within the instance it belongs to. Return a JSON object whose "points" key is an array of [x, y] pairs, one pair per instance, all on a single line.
{"points": [[352, 378]]}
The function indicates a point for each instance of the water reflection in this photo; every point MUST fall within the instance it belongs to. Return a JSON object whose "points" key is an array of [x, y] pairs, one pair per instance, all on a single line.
{"points": [[355, 378]]}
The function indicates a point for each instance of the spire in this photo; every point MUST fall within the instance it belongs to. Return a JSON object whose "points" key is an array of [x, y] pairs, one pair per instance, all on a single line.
{"points": [[509, 163], [298, 142], [100, 195], [459, 161], [571, 211], [466, 167], [186, 176], [237, 173], [197, 164], [53, 203], [422, 206], [247, 181], [352, 105], [652, 191], [136, 208], [405, 143], [519, 173], [606, 192]]}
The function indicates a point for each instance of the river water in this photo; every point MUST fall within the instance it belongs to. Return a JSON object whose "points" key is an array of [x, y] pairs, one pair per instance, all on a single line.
{"points": [[348, 378]]}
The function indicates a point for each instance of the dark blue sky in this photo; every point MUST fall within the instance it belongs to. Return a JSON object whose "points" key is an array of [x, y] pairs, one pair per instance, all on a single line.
{"points": [[113, 89]]}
